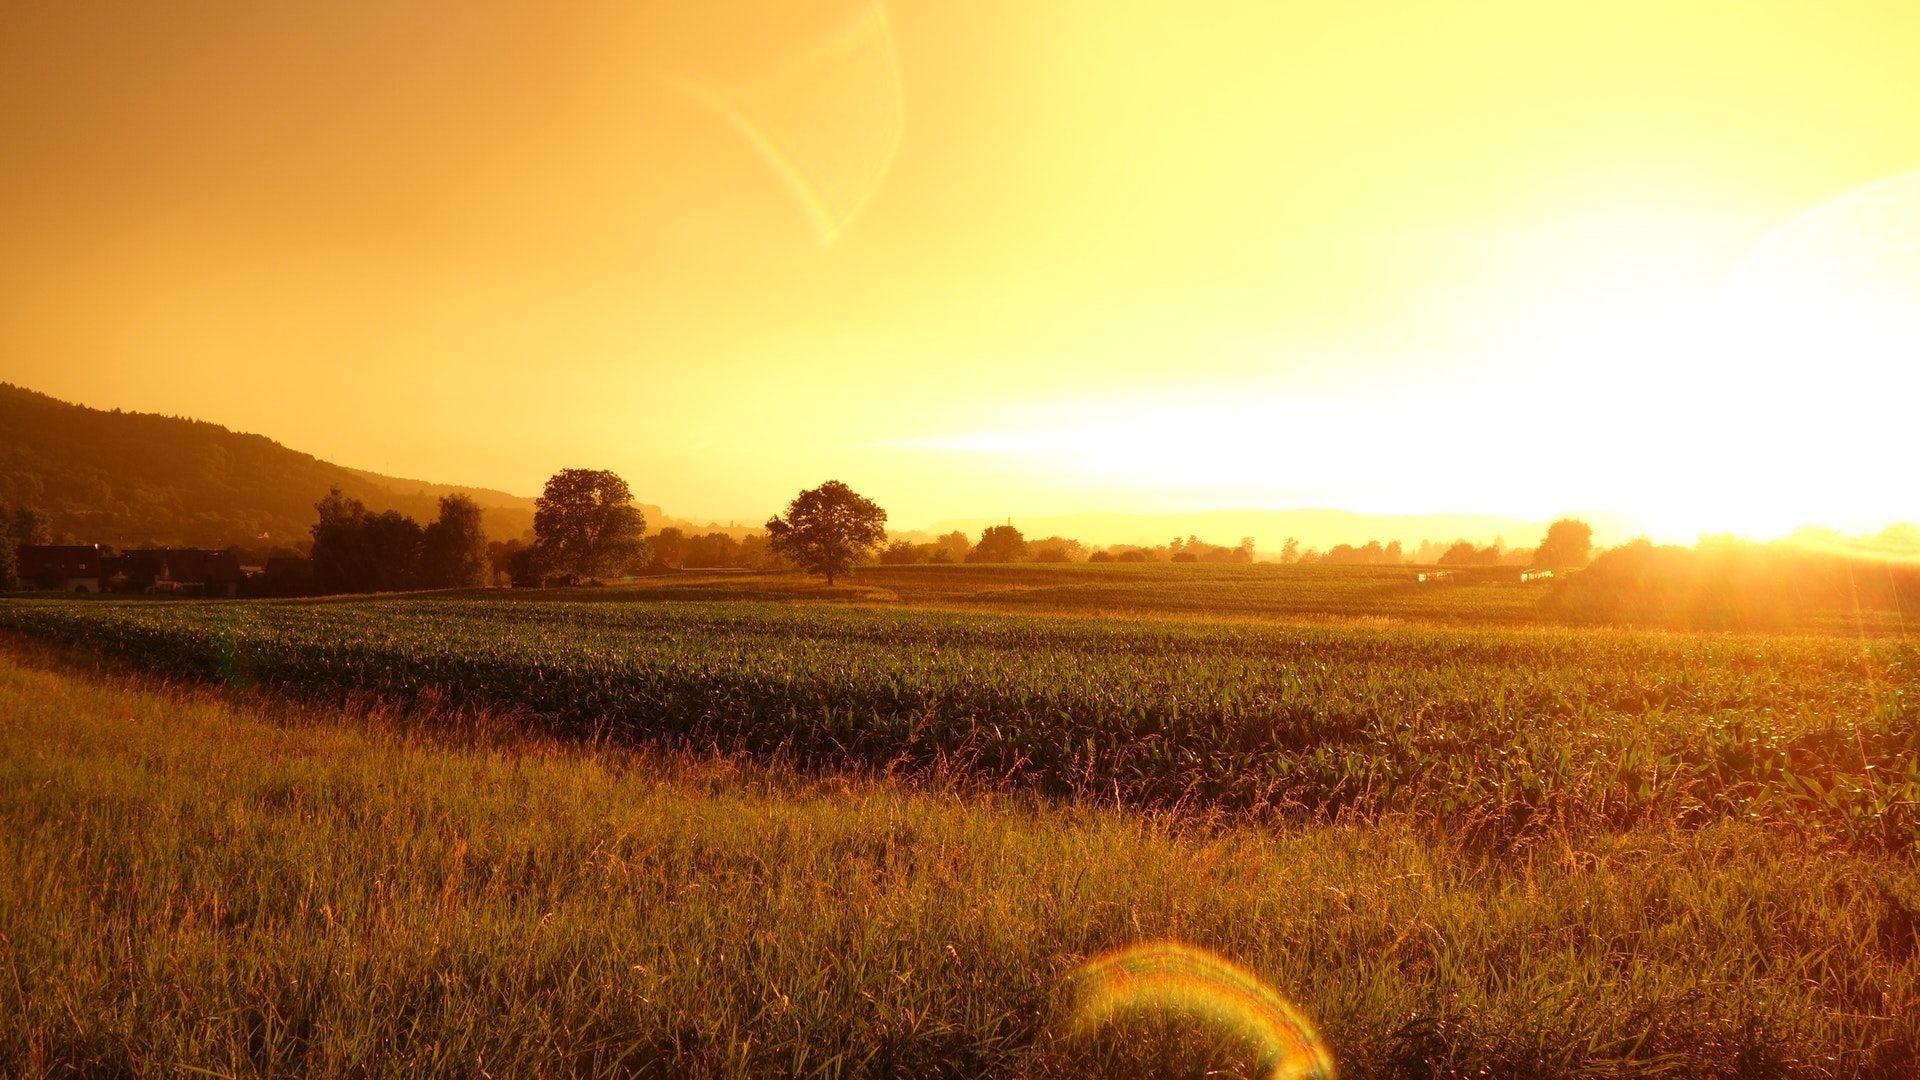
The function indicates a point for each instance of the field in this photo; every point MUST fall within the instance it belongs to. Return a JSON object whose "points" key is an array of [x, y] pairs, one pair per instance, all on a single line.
{"points": [[739, 825]]}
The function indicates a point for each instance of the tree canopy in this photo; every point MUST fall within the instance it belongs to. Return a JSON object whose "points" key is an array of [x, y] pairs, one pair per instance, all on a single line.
{"points": [[585, 523], [1568, 545], [828, 530], [453, 549], [999, 543]]}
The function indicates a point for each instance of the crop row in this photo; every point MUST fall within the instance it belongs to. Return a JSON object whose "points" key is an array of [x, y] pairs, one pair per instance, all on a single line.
{"points": [[1507, 732]]}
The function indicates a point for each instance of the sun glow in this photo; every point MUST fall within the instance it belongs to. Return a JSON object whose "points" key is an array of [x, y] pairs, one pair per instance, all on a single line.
{"points": [[1750, 401]]}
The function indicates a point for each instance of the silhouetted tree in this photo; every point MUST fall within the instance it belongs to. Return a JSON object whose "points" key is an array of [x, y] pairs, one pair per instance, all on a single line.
{"points": [[712, 549], [585, 523], [340, 559], [393, 548], [1290, 551], [1056, 549], [669, 547], [523, 568], [9, 564], [828, 530], [955, 545], [453, 549], [998, 543], [1568, 545], [904, 553], [30, 526]]}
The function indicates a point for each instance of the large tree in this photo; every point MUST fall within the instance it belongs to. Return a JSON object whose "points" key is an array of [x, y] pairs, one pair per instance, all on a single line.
{"points": [[1568, 545], [828, 530], [356, 551], [453, 550], [999, 543], [585, 523]]}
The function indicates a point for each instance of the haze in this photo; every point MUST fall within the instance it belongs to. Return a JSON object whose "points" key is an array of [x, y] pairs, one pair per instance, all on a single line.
{"points": [[996, 259]]}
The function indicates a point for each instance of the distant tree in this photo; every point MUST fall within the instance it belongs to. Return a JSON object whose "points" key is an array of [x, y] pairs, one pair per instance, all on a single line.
{"points": [[500, 555], [828, 529], [340, 559], [393, 542], [904, 553], [711, 550], [453, 549], [670, 547], [955, 544], [1290, 551], [30, 526], [9, 564], [1463, 553], [585, 523], [1100, 556], [1568, 545], [1056, 549], [998, 544], [523, 568]]}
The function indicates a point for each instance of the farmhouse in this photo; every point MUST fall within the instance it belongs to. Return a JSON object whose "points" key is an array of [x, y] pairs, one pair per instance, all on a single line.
{"points": [[63, 567], [184, 571]]}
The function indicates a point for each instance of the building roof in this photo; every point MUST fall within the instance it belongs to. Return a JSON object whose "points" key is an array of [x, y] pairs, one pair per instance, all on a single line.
{"points": [[59, 560]]}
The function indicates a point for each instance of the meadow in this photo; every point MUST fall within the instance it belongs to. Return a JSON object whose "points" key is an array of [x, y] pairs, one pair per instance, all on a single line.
{"points": [[204, 882], [733, 825]]}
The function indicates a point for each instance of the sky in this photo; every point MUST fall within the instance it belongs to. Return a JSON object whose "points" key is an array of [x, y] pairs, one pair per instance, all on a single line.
{"points": [[996, 259]]}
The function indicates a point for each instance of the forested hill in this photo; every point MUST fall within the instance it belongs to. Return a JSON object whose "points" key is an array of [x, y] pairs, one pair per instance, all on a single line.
{"points": [[128, 478]]}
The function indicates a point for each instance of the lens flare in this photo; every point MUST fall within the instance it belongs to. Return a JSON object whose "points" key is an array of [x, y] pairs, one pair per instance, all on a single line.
{"points": [[827, 119], [1171, 978]]}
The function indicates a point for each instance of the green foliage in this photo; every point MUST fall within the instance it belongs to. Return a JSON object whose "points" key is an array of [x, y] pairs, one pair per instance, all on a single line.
{"points": [[190, 885], [828, 530], [453, 548], [1501, 734], [358, 551], [999, 544], [585, 524]]}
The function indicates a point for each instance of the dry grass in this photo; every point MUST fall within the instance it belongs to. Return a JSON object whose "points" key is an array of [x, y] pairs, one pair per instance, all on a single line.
{"points": [[199, 884]]}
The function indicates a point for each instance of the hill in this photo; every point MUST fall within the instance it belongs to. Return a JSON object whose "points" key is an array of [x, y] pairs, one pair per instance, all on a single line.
{"points": [[128, 478]]}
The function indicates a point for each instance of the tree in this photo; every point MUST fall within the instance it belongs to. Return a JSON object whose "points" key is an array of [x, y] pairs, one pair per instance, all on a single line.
{"points": [[670, 547], [585, 523], [1568, 545], [355, 551], [904, 553], [998, 543], [453, 549], [954, 544], [1056, 549], [30, 526], [828, 530], [340, 560], [9, 564], [392, 542]]}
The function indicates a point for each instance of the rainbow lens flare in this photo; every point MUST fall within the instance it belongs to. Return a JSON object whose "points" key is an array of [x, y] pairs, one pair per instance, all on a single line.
{"points": [[1169, 977]]}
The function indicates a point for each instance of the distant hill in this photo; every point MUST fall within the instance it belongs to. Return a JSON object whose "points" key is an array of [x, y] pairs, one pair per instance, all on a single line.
{"points": [[128, 478]]}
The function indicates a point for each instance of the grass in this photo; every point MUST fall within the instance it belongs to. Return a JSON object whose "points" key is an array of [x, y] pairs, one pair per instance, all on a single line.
{"points": [[226, 883], [1498, 733]]}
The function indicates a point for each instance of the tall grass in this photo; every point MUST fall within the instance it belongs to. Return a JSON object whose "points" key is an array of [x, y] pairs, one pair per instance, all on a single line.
{"points": [[197, 884], [1503, 733]]}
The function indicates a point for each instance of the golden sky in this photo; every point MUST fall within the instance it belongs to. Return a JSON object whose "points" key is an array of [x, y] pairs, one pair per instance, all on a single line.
{"points": [[989, 258]]}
